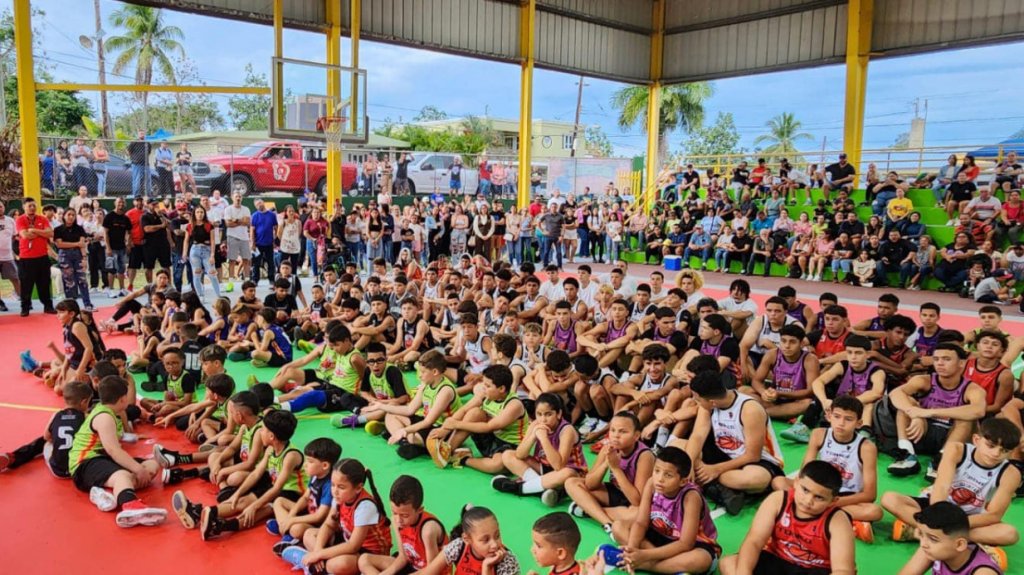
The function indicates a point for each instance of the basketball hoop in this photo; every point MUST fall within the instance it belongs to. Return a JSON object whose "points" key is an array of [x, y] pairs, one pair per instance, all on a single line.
{"points": [[332, 127]]}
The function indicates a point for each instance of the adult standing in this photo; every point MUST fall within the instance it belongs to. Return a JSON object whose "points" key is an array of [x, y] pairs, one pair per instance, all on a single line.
{"points": [[402, 175], [183, 165], [199, 243], [8, 269], [484, 172], [81, 162], [70, 238], [263, 230], [158, 247], [163, 161], [551, 227], [316, 230], [290, 236], [136, 254], [237, 218], [100, 157], [138, 153], [34, 235], [180, 264], [117, 237]]}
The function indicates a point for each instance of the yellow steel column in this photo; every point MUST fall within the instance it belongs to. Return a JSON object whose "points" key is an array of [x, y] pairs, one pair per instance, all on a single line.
{"points": [[333, 13], [859, 24], [527, 15], [279, 53], [354, 24], [653, 102], [26, 98]]}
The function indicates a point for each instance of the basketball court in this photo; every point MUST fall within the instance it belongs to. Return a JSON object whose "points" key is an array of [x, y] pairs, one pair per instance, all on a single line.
{"points": [[52, 526]]}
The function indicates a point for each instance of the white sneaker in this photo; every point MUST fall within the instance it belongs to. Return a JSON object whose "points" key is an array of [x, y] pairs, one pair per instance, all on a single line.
{"points": [[587, 425], [601, 426], [102, 499], [130, 438], [803, 276], [111, 294]]}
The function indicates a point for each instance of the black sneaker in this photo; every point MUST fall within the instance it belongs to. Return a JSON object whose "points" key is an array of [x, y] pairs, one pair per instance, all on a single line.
{"points": [[3, 306], [188, 513], [407, 450], [933, 470], [210, 525], [172, 476], [166, 458], [283, 544], [153, 386], [506, 485], [905, 464], [730, 499], [204, 473]]}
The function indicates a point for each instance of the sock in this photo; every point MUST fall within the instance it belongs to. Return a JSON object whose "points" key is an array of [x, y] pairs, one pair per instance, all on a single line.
{"points": [[190, 473], [230, 525], [285, 405], [182, 458], [531, 482], [361, 420], [204, 473], [672, 437], [905, 444], [315, 398], [126, 496], [663, 437]]}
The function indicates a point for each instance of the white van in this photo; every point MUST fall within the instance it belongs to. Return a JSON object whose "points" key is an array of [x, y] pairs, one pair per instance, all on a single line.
{"points": [[430, 172]]}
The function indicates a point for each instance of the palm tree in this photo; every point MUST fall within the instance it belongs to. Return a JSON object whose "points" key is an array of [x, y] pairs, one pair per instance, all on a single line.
{"points": [[783, 133], [146, 43], [681, 108]]}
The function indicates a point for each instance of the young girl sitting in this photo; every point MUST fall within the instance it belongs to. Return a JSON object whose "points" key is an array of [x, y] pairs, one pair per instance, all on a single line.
{"points": [[549, 454], [357, 525], [475, 547]]}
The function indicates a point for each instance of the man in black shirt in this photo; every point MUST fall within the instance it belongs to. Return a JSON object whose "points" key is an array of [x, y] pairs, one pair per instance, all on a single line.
{"points": [[958, 195], [1007, 173], [138, 154], [283, 303], [740, 175], [841, 175], [116, 235], [179, 263], [852, 227], [890, 256], [402, 174], [742, 244], [157, 247]]}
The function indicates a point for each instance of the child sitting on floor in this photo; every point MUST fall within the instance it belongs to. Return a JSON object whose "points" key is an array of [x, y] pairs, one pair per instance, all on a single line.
{"points": [[556, 538], [475, 547], [435, 401], [381, 382], [293, 518], [419, 533], [55, 443], [945, 545]]}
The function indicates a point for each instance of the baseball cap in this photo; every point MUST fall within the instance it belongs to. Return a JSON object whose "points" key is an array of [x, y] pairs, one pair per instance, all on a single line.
{"points": [[842, 155], [1002, 274]]}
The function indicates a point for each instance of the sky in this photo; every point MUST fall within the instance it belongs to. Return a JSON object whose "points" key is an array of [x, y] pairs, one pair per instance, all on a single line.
{"points": [[972, 94]]}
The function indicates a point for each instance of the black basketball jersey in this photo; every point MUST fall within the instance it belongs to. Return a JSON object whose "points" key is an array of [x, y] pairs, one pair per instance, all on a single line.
{"points": [[191, 351], [63, 427]]}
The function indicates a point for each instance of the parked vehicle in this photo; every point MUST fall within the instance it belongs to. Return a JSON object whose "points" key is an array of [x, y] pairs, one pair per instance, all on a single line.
{"points": [[284, 166], [431, 172], [119, 178]]}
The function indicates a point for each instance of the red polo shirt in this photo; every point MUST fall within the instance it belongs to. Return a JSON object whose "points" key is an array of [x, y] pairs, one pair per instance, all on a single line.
{"points": [[34, 247], [135, 216]]}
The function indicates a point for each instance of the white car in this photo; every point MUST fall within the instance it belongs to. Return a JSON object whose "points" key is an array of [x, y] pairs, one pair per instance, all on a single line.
{"points": [[431, 172]]}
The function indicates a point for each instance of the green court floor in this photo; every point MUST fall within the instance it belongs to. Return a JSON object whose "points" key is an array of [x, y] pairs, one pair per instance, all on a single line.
{"points": [[448, 490]]}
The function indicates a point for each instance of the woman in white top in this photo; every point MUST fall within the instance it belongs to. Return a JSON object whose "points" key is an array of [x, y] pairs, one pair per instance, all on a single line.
{"points": [[613, 235], [290, 234], [513, 239]]}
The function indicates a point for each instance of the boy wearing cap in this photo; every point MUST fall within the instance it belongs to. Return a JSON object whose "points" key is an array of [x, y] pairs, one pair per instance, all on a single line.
{"points": [[996, 289]]}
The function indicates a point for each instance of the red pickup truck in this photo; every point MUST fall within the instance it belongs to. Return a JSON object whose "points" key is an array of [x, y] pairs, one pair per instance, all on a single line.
{"points": [[272, 166]]}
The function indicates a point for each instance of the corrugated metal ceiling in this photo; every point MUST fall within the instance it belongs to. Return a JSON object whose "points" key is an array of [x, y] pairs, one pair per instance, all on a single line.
{"points": [[610, 38]]}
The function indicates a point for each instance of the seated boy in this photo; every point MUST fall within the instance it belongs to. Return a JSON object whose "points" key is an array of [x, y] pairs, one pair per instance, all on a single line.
{"points": [[382, 382], [495, 418], [556, 538], [933, 411], [854, 456], [630, 464], [420, 535], [205, 419], [644, 392], [180, 388], [945, 545], [278, 474], [978, 478], [607, 340], [340, 392], [435, 401], [56, 441], [672, 530], [413, 335], [98, 462], [272, 348], [782, 380], [293, 518], [732, 444], [800, 531]]}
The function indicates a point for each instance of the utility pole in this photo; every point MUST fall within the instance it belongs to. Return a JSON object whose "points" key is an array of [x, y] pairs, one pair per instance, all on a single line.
{"points": [[576, 122], [87, 43]]}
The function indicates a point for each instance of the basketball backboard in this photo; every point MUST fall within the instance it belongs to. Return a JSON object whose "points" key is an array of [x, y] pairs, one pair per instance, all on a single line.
{"points": [[301, 101]]}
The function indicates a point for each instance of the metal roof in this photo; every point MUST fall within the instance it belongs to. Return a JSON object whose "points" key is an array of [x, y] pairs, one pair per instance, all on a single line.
{"points": [[704, 39]]}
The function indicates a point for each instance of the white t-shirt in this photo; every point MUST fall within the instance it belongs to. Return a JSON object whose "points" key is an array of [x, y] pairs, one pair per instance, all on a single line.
{"points": [[233, 213], [365, 514], [729, 304], [552, 292], [217, 208], [7, 239], [589, 294], [985, 209]]}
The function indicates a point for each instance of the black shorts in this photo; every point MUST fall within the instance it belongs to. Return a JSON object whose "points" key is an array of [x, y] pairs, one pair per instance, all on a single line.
{"points": [[263, 485], [277, 360], [309, 376], [616, 498], [711, 454], [933, 440], [151, 256], [95, 472], [136, 258], [657, 539], [490, 445], [423, 433], [340, 400], [770, 564]]}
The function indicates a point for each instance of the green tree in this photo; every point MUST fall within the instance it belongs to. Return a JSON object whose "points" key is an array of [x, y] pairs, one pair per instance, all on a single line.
{"points": [[199, 115], [714, 140], [429, 114], [250, 111], [596, 142], [57, 112], [902, 142], [783, 133], [681, 107], [147, 43]]}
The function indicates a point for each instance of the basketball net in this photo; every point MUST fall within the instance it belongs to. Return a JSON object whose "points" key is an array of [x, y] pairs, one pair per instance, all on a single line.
{"points": [[332, 128]]}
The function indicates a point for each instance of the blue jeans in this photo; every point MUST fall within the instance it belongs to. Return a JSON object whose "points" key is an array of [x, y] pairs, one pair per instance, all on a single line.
{"points": [[73, 275], [101, 178], [199, 255], [951, 279], [704, 252], [881, 201], [485, 187], [720, 256], [179, 266], [311, 252], [139, 180], [844, 265], [909, 270], [611, 246], [547, 245]]}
